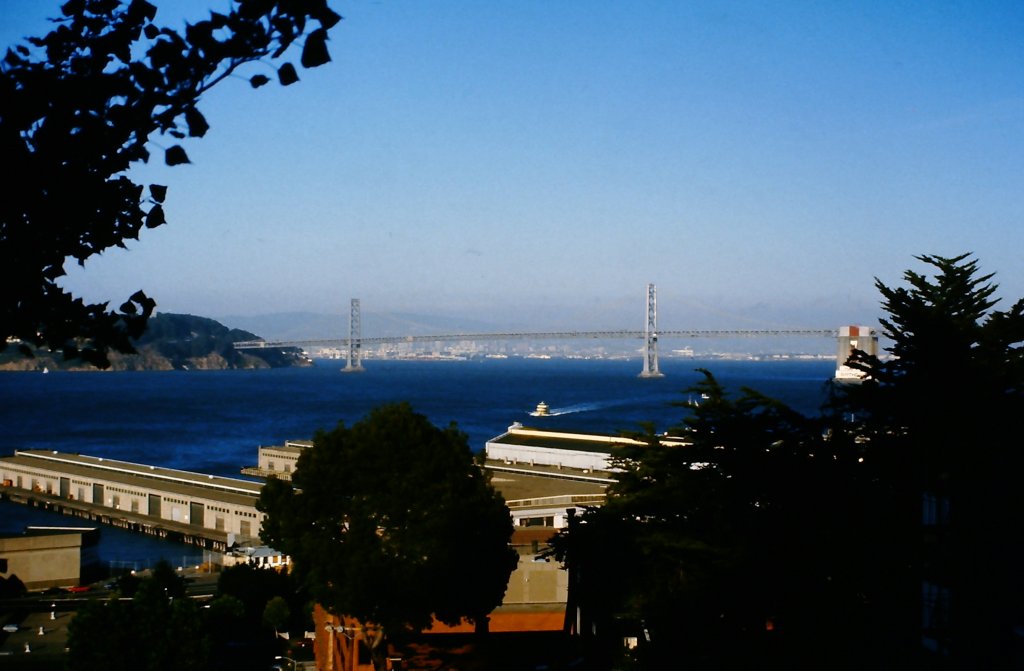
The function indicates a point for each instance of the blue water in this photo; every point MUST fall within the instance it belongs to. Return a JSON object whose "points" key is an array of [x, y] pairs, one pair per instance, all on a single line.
{"points": [[213, 421]]}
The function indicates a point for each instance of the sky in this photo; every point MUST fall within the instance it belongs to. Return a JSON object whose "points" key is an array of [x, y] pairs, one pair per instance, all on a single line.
{"points": [[537, 164]]}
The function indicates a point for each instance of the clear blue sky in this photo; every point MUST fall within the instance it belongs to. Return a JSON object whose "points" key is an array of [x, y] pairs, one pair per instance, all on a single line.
{"points": [[539, 163]]}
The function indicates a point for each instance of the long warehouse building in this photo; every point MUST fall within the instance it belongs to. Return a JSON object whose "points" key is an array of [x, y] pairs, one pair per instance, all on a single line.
{"points": [[216, 510]]}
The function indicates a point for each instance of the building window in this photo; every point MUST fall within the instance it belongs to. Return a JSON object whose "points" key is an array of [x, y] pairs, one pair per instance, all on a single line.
{"points": [[537, 521], [934, 510], [934, 617]]}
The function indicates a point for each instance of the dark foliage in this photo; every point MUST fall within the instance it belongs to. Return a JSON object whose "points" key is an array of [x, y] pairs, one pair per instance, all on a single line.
{"points": [[78, 108], [254, 587], [159, 628], [11, 587], [391, 522], [156, 630], [848, 541], [735, 548], [939, 422]]}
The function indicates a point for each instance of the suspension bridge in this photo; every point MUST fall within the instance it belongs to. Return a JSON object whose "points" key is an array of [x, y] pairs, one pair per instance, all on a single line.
{"points": [[355, 342]]}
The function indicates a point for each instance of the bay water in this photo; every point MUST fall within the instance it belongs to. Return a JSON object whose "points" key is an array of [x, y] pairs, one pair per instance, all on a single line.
{"points": [[213, 421]]}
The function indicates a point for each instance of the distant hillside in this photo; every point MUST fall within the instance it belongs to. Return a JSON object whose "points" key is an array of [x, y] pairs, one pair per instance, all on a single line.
{"points": [[172, 342]]}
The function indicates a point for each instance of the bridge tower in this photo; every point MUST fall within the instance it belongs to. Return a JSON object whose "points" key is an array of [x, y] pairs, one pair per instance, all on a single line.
{"points": [[354, 363], [651, 336]]}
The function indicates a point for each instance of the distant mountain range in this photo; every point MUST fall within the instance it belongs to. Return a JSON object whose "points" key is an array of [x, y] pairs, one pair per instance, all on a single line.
{"points": [[171, 342]]}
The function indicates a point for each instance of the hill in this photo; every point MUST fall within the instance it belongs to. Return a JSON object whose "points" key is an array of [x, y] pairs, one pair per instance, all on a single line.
{"points": [[171, 342]]}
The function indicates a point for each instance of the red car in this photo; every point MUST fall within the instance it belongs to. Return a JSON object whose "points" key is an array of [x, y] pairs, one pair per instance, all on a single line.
{"points": [[79, 588]]}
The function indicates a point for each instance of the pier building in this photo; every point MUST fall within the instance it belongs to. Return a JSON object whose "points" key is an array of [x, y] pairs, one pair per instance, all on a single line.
{"points": [[209, 511], [278, 461], [542, 473], [588, 454]]}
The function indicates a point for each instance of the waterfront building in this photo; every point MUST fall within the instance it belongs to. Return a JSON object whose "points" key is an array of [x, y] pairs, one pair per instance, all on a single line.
{"points": [[277, 461], [578, 453], [543, 473], [44, 557], [206, 510]]}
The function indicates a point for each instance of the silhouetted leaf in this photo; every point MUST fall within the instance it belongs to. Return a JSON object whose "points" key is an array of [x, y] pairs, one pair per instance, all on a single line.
{"points": [[157, 192], [197, 125], [315, 52], [287, 75], [257, 81], [328, 18], [175, 156], [156, 216]]}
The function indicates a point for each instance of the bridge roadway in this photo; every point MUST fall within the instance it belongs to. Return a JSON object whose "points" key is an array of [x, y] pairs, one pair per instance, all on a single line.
{"points": [[543, 335]]}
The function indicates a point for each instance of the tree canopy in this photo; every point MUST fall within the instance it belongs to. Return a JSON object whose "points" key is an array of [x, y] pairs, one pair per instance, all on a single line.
{"points": [[778, 538], [939, 422], [154, 630], [716, 550], [391, 522], [78, 108], [151, 624]]}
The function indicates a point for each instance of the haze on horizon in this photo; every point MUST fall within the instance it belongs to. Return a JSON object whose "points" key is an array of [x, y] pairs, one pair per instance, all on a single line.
{"points": [[537, 164]]}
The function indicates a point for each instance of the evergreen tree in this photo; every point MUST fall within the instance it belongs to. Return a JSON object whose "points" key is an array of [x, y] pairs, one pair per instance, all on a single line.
{"points": [[391, 522], [733, 548], [791, 542], [939, 423]]}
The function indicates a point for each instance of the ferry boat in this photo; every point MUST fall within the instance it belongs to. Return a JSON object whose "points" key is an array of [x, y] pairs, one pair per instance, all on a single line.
{"points": [[542, 410]]}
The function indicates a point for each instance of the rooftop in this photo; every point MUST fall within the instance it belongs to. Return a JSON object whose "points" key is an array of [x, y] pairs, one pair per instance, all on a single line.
{"points": [[518, 434], [231, 490]]}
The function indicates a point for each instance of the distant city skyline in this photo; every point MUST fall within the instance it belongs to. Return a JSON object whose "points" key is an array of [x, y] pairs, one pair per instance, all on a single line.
{"points": [[538, 164]]}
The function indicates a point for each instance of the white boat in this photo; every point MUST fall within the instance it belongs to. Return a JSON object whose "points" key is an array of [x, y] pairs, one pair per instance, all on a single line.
{"points": [[542, 410]]}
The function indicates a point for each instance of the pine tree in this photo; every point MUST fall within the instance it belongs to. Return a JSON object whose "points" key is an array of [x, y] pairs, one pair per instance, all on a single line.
{"points": [[939, 419]]}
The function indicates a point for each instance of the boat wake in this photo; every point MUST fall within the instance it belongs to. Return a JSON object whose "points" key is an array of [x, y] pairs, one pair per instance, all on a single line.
{"points": [[576, 407]]}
